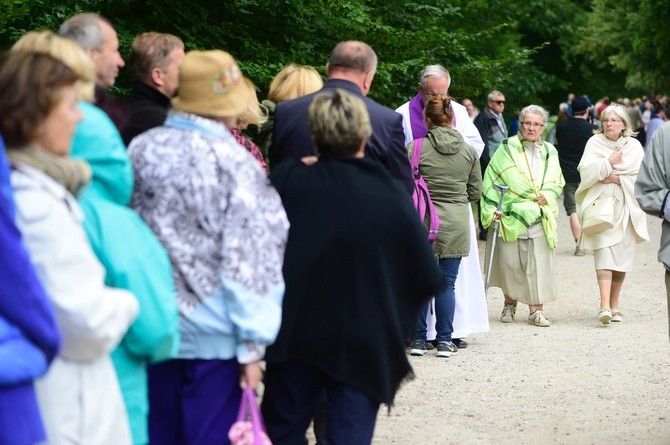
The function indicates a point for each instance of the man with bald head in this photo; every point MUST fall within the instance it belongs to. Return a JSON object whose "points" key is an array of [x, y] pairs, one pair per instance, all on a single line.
{"points": [[98, 38], [351, 67]]}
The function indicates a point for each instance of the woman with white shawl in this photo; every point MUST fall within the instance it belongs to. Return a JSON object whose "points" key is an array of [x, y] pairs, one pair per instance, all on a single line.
{"points": [[609, 167]]}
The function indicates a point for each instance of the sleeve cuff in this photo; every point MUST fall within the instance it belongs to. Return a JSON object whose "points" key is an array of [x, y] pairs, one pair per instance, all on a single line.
{"points": [[249, 352]]}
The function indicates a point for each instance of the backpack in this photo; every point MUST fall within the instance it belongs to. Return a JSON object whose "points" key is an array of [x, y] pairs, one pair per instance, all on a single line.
{"points": [[421, 196]]}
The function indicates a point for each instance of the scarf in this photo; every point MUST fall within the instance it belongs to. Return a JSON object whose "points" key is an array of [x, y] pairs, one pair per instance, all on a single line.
{"points": [[416, 122], [73, 174], [511, 166]]}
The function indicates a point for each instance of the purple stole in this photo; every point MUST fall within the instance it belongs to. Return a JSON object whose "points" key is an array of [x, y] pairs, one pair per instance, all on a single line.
{"points": [[416, 122]]}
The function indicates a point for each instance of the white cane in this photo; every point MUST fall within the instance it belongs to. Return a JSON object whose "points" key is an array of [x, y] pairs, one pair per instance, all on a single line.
{"points": [[496, 227]]}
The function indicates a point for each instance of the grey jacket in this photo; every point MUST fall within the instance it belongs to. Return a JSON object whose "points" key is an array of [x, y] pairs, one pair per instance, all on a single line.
{"points": [[453, 176], [653, 183]]}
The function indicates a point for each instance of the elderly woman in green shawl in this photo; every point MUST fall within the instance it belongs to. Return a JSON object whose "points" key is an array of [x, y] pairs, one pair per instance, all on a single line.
{"points": [[523, 261]]}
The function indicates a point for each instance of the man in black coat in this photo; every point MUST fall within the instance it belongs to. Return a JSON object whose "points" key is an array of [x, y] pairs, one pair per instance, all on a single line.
{"points": [[155, 60], [571, 138], [351, 67]]}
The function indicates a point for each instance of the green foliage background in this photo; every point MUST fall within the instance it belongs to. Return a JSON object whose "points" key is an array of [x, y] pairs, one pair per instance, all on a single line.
{"points": [[534, 51]]}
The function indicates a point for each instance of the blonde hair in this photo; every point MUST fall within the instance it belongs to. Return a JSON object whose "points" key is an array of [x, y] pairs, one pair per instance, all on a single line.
{"points": [[339, 122], [621, 113], [68, 52], [294, 81], [254, 113]]}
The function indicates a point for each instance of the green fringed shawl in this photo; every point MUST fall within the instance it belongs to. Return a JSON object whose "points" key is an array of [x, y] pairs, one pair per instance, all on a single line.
{"points": [[509, 166]]}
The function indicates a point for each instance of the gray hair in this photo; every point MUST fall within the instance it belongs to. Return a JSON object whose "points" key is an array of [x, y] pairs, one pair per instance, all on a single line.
{"points": [[493, 94], [434, 71], [534, 109], [621, 112], [85, 30]]}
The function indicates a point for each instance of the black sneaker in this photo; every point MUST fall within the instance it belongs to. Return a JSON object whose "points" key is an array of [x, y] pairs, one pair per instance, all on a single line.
{"points": [[418, 348], [446, 349], [460, 343]]}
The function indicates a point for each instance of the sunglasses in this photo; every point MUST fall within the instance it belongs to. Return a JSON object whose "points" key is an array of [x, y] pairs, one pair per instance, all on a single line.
{"points": [[499, 102]]}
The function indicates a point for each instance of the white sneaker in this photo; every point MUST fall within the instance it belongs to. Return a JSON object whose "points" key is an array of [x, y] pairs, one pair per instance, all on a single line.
{"points": [[537, 318], [508, 313]]}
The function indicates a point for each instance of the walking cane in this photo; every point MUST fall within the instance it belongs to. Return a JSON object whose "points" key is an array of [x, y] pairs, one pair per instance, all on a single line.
{"points": [[496, 227]]}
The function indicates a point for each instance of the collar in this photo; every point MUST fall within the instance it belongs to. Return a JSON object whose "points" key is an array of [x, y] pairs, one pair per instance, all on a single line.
{"points": [[344, 84], [192, 122], [143, 91]]}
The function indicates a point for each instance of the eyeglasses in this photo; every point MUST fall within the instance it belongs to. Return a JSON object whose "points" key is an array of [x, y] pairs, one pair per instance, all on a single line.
{"points": [[499, 102], [611, 121], [532, 125], [433, 95]]}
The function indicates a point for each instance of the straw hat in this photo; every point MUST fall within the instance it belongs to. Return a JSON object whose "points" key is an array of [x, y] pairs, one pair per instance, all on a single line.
{"points": [[211, 84]]}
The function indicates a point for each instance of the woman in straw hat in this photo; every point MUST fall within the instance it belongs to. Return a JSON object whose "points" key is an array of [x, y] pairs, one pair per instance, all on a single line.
{"points": [[225, 229]]}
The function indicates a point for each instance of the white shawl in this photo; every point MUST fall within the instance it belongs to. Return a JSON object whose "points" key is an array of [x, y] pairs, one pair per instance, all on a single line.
{"points": [[593, 168]]}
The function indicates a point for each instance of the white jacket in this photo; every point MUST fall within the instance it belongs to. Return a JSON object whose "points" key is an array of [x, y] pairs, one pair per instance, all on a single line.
{"points": [[79, 397]]}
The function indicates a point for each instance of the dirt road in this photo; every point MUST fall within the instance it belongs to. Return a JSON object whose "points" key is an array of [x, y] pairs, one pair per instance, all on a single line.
{"points": [[576, 382]]}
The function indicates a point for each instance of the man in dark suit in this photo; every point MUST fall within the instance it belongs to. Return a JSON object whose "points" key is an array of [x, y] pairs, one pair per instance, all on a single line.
{"points": [[351, 67]]}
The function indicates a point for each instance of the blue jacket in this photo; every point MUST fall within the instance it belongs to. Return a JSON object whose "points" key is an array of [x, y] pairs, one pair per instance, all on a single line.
{"points": [[29, 336], [133, 257]]}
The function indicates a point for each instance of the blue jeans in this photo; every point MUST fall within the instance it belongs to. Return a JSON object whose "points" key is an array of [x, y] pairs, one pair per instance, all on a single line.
{"points": [[445, 304]]}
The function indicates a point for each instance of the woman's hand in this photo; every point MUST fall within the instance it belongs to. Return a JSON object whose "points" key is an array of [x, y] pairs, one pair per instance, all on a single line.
{"points": [[541, 200], [309, 160], [251, 374], [611, 179], [615, 157]]}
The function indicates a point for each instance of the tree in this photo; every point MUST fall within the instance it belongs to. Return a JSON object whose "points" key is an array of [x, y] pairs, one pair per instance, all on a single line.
{"points": [[629, 38]]}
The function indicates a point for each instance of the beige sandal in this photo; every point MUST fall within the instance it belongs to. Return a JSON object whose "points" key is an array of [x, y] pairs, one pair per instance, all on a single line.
{"points": [[605, 316], [616, 314]]}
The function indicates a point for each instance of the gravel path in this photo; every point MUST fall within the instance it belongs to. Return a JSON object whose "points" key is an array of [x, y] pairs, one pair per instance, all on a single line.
{"points": [[576, 382]]}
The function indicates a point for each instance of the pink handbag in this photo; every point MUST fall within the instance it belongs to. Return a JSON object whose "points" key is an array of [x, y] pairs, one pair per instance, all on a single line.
{"points": [[249, 428]]}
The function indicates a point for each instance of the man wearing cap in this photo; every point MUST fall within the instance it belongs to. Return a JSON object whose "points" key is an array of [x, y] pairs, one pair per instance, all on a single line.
{"points": [[571, 138], [352, 66], [98, 38], [225, 229]]}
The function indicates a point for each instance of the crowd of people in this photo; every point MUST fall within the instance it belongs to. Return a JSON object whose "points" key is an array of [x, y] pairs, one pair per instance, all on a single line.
{"points": [[156, 260]]}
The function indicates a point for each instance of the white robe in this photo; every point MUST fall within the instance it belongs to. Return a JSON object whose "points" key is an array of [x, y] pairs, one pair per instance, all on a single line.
{"points": [[471, 314]]}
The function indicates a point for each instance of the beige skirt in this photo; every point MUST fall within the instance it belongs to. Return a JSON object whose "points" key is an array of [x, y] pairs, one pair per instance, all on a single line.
{"points": [[618, 257], [524, 270]]}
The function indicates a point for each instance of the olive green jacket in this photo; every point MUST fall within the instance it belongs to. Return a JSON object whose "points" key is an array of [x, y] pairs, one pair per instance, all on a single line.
{"points": [[453, 176]]}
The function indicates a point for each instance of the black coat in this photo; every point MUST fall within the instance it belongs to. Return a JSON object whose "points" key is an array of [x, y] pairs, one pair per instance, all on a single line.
{"points": [[358, 267], [291, 137], [148, 108], [571, 138]]}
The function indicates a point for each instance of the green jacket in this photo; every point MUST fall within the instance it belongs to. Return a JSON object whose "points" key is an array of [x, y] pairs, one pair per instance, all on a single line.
{"points": [[133, 257], [509, 167], [454, 179]]}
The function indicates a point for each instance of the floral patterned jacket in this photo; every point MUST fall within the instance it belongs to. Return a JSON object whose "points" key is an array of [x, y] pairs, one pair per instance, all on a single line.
{"points": [[224, 227]]}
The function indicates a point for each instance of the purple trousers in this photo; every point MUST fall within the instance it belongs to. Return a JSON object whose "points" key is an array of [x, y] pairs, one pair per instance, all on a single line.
{"points": [[193, 402]]}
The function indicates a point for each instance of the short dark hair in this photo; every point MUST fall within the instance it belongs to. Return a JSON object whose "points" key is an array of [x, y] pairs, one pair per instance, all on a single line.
{"points": [[30, 88]]}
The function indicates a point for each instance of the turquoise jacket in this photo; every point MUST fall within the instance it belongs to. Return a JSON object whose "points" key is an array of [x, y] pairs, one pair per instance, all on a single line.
{"points": [[133, 257]]}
